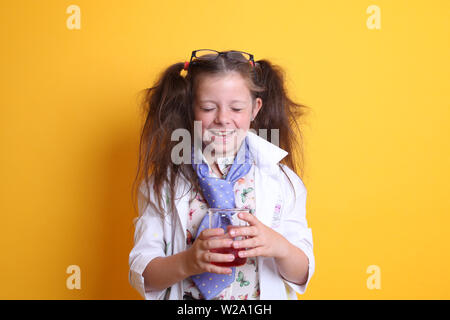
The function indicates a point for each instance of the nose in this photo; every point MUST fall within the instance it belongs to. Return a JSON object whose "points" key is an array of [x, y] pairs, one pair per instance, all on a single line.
{"points": [[222, 117]]}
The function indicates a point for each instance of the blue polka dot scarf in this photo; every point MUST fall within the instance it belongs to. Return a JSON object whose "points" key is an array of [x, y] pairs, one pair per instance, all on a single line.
{"points": [[219, 194]]}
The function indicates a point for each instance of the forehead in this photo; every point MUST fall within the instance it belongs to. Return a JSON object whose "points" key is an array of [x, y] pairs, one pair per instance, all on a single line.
{"points": [[222, 86]]}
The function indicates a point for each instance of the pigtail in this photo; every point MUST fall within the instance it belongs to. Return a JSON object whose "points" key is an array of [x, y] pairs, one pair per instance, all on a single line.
{"points": [[281, 113], [166, 107]]}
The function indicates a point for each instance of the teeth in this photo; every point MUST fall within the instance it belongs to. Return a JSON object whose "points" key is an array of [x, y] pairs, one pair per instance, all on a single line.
{"points": [[222, 133]]}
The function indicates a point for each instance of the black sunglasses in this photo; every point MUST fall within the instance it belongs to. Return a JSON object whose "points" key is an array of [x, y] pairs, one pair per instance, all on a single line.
{"points": [[210, 55]]}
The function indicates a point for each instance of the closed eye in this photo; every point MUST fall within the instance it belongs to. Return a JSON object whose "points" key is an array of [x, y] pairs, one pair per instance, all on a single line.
{"points": [[210, 109]]}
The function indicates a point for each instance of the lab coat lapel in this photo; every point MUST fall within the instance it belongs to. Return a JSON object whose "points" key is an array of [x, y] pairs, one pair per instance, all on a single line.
{"points": [[266, 156], [265, 196], [182, 204]]}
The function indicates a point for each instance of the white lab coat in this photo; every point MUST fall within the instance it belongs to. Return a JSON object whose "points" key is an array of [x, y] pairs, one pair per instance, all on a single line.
{"points": [[272, 189]]}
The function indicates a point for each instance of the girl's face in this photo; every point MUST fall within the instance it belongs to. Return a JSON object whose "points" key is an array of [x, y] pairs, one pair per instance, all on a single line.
{"points": [[224, 106]]}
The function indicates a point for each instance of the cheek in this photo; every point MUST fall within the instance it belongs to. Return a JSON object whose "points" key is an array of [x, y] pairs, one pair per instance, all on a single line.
{"points": [[204, 119], [202, 128], [243, 122]]}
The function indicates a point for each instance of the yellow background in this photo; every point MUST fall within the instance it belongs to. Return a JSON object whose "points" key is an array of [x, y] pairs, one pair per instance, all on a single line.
{"points": [[377, 141]]}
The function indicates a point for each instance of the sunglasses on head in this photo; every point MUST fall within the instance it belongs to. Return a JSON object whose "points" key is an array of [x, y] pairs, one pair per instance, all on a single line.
{"points": [[210, 55]]}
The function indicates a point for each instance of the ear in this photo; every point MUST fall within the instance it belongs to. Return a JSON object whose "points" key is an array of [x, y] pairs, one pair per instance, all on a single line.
{"points": [[258, 105]]}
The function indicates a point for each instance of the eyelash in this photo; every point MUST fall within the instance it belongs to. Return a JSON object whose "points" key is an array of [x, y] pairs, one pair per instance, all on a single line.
{"points": [[234, 109]]}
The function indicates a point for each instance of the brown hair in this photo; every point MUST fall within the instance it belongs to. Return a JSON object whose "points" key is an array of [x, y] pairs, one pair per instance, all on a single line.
{"points": [[168, 105]]}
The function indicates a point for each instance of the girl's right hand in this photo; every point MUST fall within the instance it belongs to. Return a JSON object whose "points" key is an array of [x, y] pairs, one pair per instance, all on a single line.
{"points": [[198, 257]]}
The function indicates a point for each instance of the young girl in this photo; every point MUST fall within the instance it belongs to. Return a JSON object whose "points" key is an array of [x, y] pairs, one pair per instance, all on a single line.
{"points": [[232, 97]]}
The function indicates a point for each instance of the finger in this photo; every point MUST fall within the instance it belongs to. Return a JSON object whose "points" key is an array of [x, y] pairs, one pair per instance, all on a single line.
{"points": [[247, 243], [255, 252], [218, 257], [208, 233], [251, 231], [250, 218], [216, 269], [216, 243]]}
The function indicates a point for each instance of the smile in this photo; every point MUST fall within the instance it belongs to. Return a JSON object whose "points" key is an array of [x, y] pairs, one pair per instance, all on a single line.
{"points": [[223, 133]]}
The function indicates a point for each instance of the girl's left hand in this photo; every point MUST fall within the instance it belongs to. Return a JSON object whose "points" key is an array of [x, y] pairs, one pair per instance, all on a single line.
{"points": [[262, 240]]}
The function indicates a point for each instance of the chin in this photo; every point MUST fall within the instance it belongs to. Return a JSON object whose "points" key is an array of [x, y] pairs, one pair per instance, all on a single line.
{"points": [[227, 149]]}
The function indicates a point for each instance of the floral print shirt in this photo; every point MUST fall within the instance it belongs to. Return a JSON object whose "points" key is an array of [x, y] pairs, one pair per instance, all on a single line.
{"points": [[246, 284]]}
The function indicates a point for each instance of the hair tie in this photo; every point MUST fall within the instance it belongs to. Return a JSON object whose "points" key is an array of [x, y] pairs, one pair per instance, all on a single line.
{"points": [[186, 65]]}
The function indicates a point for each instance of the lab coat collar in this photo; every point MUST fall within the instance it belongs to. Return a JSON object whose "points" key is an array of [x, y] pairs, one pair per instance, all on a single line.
{"points": [[265, 153]]}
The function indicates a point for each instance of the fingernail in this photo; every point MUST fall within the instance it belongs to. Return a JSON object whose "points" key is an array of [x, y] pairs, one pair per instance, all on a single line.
{"points": [[230, 257], [232, 232], [235, 244]]}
